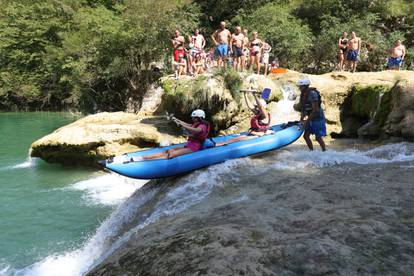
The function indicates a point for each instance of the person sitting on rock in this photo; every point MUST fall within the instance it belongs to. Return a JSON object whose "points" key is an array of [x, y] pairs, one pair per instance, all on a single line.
{"points": [[310, 101], [199, 131], [259, 123]]}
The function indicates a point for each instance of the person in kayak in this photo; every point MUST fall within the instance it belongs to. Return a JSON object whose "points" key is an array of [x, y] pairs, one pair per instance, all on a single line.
{"points": [[259, 122], [199, 130], [310, 101]]}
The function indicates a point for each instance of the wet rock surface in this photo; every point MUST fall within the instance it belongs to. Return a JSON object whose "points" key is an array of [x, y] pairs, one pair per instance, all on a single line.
{"points": [[344, 219]]}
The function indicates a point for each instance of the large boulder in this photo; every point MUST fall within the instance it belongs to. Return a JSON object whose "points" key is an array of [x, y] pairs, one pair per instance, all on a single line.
{"points": [[103, 135], [400, 121]]}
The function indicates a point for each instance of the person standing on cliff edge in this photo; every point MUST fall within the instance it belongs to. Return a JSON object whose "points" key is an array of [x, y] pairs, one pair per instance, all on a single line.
{"points": [[397, 53], [310, 102], [354, 48], [221, 39]]}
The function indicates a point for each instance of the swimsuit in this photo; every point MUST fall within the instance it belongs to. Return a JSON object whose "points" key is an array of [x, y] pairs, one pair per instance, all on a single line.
{"points": [[222, 50], [352, 55], [178, 53], [343, 48], [394, 62], [237, 51], [255, 48]]}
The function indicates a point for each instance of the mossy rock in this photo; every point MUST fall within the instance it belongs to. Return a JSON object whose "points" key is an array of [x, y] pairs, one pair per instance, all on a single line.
{"points": [[365, 99]]}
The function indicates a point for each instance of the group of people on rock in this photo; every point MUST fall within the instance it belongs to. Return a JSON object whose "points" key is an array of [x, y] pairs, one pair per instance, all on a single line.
{"points": [[350, 49], [236, 50], [312, 119]]}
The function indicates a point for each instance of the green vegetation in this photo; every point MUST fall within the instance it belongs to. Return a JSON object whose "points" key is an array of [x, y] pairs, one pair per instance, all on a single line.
{"points": [[372, 102], [96, 55]]}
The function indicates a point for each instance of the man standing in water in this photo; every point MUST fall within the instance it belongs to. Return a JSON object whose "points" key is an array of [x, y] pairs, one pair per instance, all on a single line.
{"points": [[221, 38], [310, 100], [236, 43], [397, 56], [354, 48]]}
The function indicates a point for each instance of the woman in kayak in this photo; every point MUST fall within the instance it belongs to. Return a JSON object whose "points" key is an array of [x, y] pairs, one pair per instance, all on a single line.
{"points": [[199, 130], [259, 123]]}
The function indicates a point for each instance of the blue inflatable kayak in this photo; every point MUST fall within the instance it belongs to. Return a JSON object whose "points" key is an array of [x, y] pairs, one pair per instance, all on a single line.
{"points": [[284, 134]]}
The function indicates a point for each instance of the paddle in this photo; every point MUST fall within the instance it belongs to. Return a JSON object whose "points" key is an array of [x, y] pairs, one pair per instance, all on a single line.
{"points": [[265, 94]]}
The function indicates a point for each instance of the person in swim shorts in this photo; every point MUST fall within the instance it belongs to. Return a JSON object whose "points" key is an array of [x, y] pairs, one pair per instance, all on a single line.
{"points": [[178, 44], [221, 39], [237, 41], [310, 102], [354, 48], [397, 53], [199, 131]]}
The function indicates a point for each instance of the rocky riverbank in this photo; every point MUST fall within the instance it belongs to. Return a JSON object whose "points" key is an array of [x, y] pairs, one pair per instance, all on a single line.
{"points": [[290, 212], [367, 105]]}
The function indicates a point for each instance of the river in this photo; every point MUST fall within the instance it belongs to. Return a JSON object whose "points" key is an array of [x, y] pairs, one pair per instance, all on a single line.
{"points": [[64, 221], [47, 210]]}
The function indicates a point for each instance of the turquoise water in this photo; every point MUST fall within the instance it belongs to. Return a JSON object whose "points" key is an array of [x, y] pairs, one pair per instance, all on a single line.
{"points": [[42, 213]]}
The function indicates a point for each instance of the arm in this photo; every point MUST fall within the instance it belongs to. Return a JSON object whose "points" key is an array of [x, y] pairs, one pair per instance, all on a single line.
{"points": [[262, 109], [213, 37], [203, 43], [403, 50], [249, 104], [359, 45], [339, 43]]}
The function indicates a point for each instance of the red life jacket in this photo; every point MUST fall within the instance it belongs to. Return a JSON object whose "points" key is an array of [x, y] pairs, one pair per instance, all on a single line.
{"points": [[200, 137], [257, 125]]}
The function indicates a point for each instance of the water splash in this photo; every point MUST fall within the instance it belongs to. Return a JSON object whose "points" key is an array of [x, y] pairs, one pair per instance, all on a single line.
{"points": [[110, 189], [299, 159], [283, 111], [113, 231]]}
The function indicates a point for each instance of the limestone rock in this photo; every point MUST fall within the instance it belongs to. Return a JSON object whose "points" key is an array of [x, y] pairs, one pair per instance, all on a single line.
{"points": [[100, 136], [401, 119]]}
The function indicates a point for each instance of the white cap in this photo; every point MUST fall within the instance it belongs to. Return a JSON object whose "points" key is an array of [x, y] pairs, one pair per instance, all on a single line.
{"points": [[198, 113], [303, 81]]}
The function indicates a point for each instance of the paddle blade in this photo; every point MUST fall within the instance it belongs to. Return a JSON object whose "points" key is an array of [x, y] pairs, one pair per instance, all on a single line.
{"points": [[266, 93]]}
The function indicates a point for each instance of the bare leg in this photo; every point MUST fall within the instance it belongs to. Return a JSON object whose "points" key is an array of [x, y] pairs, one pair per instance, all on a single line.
{"points": [[265, 69], [354, 64], [236, 139], [219, 62], [321, 143], [166, 154], [225, 63], [243, 63], [251, 62], [258, 63], [306, 136]]}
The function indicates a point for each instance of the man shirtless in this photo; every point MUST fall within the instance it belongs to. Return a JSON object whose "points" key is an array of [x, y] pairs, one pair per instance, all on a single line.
{"points": [[178, 45], [237, 41], [221, 38], [397, 56], [354, 48]]}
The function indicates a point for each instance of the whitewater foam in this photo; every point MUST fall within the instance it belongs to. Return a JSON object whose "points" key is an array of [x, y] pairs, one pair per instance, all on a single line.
{"points": [[110, 189], [299, 159], [109, 236], [29, 163], [193, 188]]}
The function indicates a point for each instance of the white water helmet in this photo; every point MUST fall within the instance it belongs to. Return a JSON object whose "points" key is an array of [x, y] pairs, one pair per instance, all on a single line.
{"points": [[303, 81], [198, 113]]}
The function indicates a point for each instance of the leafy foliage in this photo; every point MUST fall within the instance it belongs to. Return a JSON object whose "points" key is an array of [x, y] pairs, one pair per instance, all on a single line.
{"points": [[96, 55]]}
